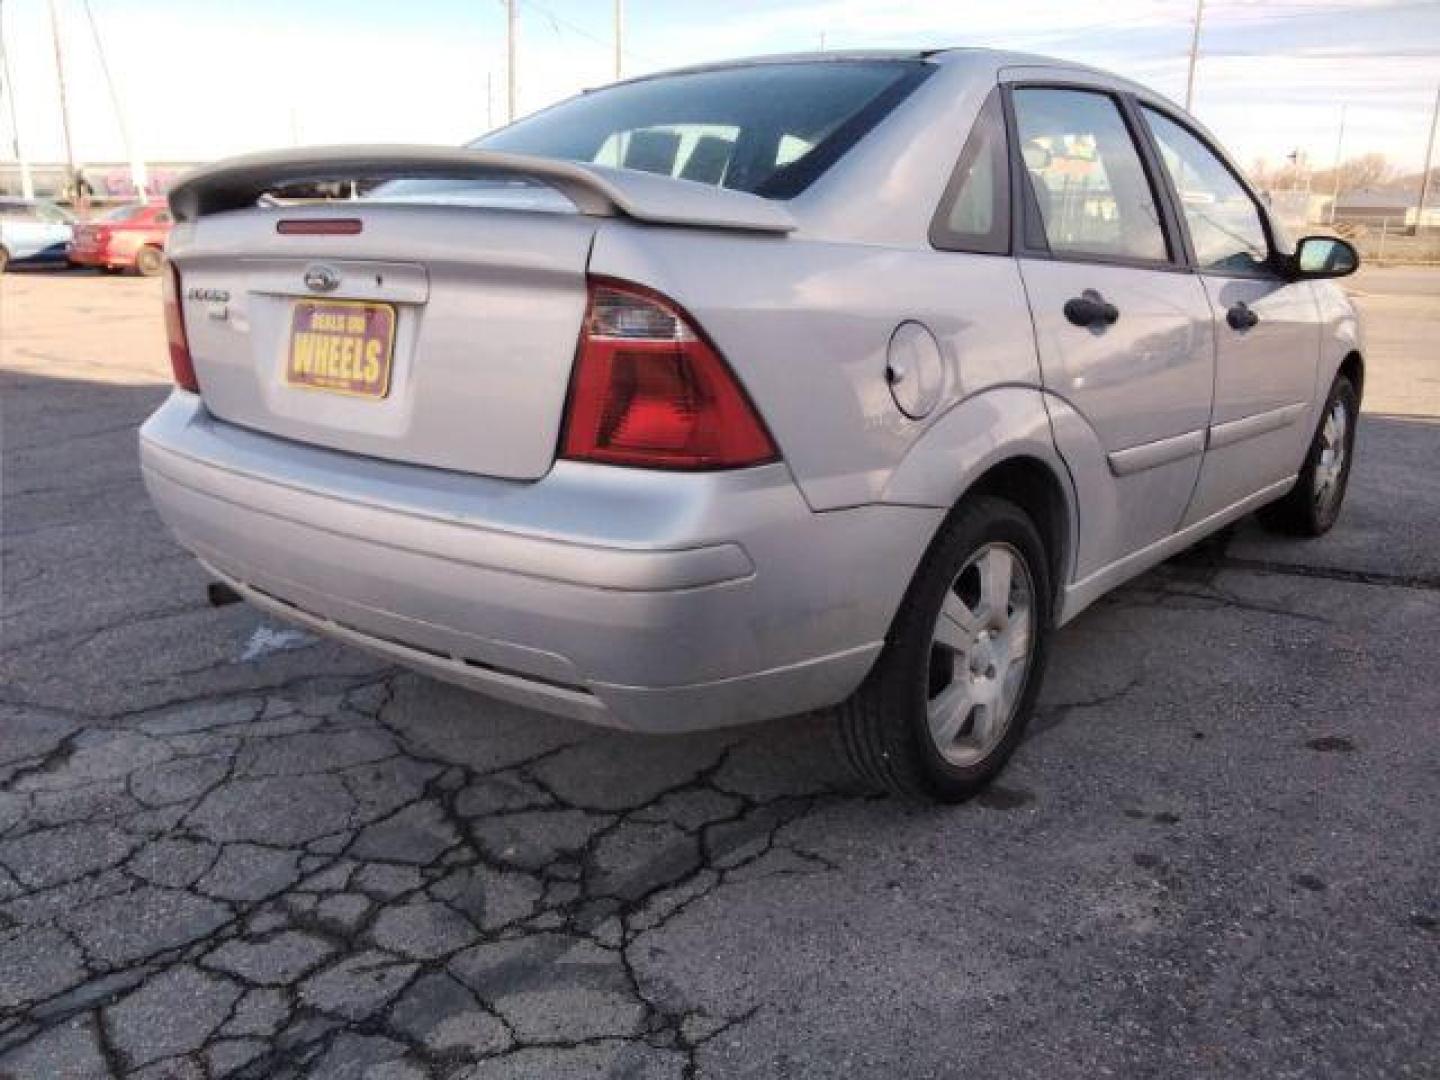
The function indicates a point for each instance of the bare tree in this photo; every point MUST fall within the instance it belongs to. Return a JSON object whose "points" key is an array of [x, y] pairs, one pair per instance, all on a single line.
{"points": [[1360, 173]]}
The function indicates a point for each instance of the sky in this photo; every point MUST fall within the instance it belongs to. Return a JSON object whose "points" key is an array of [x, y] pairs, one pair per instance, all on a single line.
{"points": [[200, 79]]}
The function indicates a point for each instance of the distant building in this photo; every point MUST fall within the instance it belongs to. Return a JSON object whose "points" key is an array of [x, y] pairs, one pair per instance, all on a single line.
{"points": [[110, 179], [1397, 209]]}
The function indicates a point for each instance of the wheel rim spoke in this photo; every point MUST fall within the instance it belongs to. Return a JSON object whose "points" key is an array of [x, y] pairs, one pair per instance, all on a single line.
{"points": [[957, 624], [1017, 639], [947, 712], [996, 569]]}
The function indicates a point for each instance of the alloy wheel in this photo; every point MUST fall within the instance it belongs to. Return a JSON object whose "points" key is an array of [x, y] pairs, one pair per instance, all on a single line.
{"points": [[980, 654], [1330, 465]]}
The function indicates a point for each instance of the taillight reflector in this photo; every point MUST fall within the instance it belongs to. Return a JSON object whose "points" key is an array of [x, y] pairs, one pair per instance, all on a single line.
{"points": [[649, 390], [319, 226], [181, 364]]}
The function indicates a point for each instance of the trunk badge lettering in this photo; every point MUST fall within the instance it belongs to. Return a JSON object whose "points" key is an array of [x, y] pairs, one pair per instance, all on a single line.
{"points": [[320, 278]]}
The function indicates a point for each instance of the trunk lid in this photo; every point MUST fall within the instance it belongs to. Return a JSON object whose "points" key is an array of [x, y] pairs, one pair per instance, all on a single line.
{"points": [[484, 310]]}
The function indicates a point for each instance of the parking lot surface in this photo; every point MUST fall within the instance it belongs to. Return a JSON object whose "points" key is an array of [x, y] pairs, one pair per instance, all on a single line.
{"points": [[230, 849]]}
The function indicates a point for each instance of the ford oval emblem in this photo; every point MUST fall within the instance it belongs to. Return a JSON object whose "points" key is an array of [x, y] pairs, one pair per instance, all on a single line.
{"points": [[321, 278]]}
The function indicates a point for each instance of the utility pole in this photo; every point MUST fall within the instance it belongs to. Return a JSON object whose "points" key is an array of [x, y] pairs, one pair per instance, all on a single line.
{"points": [[137, 165], [1339, 148], [1194, 55], [511, 27], [27, 183], [619, 34], [64, 102], [1424, 176]]}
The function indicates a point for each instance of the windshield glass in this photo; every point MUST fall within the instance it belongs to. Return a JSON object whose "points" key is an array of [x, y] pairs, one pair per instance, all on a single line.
{"points": [[124, 213], [770, 129]]}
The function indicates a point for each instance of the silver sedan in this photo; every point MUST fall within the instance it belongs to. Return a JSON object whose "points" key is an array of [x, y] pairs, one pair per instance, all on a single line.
{"points": [[814, 382]]}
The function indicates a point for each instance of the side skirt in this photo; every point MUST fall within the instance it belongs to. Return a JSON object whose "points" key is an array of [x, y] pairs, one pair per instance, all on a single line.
{"points": [[1081, 594]]}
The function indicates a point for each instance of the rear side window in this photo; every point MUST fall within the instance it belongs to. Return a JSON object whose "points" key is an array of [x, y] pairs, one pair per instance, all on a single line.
{"points": [[770, 129], [1225, 226], [1086, 174], [974, 212], [52, 214]]}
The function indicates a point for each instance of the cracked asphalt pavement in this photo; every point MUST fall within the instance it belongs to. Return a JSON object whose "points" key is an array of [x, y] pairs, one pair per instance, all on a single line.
{"points": [[228, 849]]}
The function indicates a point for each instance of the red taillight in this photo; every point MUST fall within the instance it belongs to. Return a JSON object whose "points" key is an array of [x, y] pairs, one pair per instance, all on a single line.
{"points": [[649, 390], [180, 362]]}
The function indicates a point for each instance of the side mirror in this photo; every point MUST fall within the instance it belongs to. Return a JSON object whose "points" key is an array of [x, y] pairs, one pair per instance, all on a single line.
{"points": [[1324, 257]]}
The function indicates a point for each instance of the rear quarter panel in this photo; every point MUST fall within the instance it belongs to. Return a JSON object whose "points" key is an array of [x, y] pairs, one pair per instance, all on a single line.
{"points": [[806, 326]]}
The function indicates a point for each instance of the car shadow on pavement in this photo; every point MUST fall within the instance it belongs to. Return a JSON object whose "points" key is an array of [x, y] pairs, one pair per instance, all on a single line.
{"points": [[228, 848]]}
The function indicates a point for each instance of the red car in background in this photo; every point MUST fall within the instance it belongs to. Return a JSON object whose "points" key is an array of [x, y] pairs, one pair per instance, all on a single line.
{"points": [[126, 237]]}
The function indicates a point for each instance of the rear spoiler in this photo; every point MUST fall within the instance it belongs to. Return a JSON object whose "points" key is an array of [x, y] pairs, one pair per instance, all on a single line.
{"points": [[237, 183]]}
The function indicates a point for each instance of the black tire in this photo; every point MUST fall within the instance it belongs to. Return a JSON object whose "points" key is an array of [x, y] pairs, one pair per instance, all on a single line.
{"points": [[883, 728], [149, 261], [1308, 509]]}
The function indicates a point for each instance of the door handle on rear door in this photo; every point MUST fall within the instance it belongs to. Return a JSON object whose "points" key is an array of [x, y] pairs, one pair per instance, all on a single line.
{"points": [[1240, 317], [1091, 309]]}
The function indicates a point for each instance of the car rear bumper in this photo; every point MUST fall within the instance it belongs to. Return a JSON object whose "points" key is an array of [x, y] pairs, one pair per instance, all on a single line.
{"points": [[641, 599]]}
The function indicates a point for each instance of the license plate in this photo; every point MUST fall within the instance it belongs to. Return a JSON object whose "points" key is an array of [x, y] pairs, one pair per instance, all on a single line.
{"points": [[344, 346]]}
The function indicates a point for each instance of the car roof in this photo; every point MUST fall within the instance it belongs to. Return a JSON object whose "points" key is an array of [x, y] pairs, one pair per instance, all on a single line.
{"points": [[986, 60]]}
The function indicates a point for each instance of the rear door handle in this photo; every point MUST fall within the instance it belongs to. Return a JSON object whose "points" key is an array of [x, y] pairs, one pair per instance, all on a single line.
{"points": [[1091, 309], [1240, 317]]}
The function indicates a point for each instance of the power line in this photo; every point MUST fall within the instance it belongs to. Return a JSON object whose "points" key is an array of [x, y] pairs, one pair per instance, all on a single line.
{"points": [[27, 184], [1429, 158], [137, 166], [64, 101], [511, 30], [558, 21], [1194, 54]]}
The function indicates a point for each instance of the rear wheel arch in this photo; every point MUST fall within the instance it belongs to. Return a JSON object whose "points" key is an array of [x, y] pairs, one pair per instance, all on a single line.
{"points": [[1033, 486]]}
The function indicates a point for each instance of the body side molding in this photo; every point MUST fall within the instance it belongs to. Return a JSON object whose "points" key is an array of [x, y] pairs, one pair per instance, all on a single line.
{"points": [[1233, 431], [1160, 452]]}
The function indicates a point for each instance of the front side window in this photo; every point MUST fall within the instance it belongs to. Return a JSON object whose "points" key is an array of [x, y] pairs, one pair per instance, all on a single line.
{"points": [[769, 129], [975, 209], [1086, 175], [1225, 225]]}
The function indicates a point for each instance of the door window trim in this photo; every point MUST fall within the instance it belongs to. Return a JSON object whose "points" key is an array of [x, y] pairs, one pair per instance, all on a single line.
{"points": [[1270, 269], [1026, 219]]}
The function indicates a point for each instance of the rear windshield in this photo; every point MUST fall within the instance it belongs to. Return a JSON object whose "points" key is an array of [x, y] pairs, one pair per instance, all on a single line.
{"points": [[769, 129], [125, 213]]}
